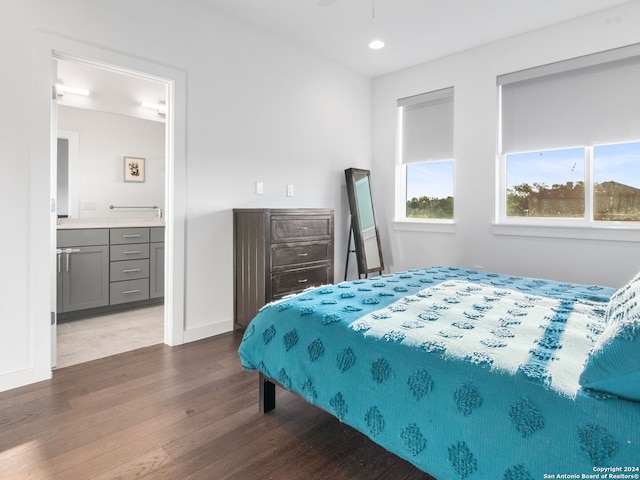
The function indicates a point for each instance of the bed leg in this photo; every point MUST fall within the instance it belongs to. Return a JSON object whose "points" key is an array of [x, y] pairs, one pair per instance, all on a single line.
{"points": [[267, 394]]}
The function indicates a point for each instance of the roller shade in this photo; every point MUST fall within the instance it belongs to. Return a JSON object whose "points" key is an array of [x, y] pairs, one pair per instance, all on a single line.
{"points": [[583, 101], [427, 126]]}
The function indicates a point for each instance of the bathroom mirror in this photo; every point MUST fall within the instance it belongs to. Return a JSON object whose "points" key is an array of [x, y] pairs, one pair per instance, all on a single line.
{"points": [[363, 223]]}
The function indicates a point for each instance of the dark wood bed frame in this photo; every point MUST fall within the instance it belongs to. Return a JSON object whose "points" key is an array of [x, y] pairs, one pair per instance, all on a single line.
{"points": [[267, 393]]}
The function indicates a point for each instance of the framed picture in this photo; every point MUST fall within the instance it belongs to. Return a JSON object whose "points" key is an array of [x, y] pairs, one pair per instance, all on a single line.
{"points": [[133, 169]]}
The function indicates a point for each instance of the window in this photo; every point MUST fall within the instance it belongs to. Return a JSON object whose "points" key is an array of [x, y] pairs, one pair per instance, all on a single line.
{"points": [[546, 184], [616, 182], [551, 184], [569, 140], [426, 156], [430, 190]]}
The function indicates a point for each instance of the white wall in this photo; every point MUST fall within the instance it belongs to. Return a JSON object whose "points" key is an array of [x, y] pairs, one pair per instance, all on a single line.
{"points": [[473, 74], [104, 139], [257, 109]]}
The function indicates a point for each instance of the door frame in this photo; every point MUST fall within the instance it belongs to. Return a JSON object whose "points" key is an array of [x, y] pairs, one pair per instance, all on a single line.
{"points": [[48, 48]]}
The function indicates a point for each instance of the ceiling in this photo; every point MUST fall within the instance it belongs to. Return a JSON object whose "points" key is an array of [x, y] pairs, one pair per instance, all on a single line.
{"points": [[415, 31], [110, 91]]}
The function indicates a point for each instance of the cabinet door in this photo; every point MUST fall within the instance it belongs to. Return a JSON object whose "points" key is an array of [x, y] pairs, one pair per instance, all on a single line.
{"points": [[85, 278], [156, 270]]}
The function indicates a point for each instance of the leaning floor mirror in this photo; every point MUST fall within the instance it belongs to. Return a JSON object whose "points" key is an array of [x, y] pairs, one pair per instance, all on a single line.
{"points": [[363, 224]]}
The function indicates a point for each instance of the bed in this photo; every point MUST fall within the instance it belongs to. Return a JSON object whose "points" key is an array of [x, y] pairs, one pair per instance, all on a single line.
{"points": [[465, 373]]}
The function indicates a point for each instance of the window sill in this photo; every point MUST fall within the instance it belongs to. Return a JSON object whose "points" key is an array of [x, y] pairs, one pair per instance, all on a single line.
{"points": [[580, 232], [433, 226]]}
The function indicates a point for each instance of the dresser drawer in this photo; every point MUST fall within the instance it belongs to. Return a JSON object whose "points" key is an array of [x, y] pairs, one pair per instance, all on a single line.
{"points": [[129, 252], [128, 291], [128, 235], [297, 280], [288, 254], [82, 237], [300, 228], [129, 270]]}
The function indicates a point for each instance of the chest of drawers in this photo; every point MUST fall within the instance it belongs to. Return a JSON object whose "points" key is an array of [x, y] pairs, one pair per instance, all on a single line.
{"points": [[278, 252]]}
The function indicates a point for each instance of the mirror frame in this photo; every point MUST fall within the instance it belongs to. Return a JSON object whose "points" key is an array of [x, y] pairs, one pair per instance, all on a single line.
{"points": [[352, 176]]}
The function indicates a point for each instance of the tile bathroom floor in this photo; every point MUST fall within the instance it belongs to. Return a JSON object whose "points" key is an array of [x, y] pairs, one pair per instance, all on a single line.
{"points": [[105, 335]]}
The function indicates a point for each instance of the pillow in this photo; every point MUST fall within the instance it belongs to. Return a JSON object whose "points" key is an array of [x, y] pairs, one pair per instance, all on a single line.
{"points": [[624, 302], [613, 366]]}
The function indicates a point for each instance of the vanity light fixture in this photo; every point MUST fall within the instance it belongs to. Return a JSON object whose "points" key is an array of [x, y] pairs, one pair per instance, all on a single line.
{"points": [[160, 107], [61, 89]]}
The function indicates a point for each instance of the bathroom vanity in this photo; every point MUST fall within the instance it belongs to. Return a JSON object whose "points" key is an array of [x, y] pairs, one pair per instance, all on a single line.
{"points": [[105, 266]]}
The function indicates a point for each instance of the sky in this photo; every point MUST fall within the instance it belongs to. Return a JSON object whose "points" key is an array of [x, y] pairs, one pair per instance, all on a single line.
{"points": [[619, 163], [548, 168], [431, 179]]}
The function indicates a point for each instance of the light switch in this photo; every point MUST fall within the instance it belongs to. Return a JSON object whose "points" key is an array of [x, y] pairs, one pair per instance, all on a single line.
{"points": [[259, 188], [289, 190]]}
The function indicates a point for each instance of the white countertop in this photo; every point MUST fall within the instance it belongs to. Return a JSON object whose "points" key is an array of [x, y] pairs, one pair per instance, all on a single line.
{"points": [[75, 223]]}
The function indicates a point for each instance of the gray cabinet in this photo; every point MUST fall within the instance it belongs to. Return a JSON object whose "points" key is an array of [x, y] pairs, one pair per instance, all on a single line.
{"points": [[106, 268], [83, 269], [278, 252]]}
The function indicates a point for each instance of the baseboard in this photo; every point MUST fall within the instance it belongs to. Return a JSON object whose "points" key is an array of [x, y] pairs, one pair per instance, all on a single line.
{"points": [[20, 378], [205, 331]]}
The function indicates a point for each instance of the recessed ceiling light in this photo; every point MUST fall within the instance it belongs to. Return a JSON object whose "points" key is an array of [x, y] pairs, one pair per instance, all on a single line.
{"points": [[376, 44]]}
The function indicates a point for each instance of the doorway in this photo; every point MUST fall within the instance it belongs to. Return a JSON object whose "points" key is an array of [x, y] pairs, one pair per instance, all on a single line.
{"points": [[100, 110]]}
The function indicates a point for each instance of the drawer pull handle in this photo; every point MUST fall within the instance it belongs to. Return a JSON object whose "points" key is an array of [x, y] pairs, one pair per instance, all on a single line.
{"points": [[303, 254], [126, 292], [304, 280], [131, 252], [129, 270], [131, 235]]}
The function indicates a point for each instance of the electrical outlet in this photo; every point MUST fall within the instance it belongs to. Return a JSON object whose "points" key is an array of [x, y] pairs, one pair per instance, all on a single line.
{"points": [[87, 205]]}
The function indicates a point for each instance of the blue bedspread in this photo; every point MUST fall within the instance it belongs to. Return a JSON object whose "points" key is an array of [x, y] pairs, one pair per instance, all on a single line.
{"points": [[466, 374]]}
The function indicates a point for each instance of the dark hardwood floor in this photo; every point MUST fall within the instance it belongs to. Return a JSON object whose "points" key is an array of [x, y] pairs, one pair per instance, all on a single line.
{"points": [[187, 412]]}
